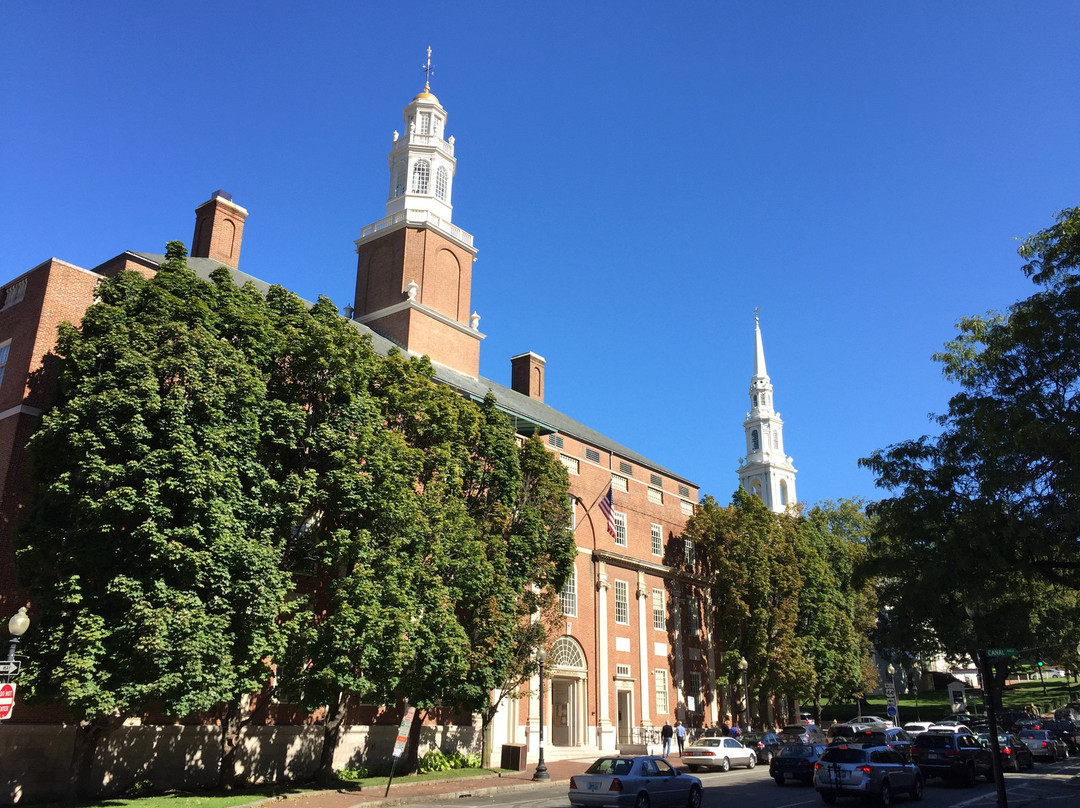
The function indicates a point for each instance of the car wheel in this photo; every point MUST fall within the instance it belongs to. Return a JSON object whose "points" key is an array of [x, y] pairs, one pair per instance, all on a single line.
{"points": [[778, 779], [642, 800], [886, 794], [694, 800], [828, 797], [969, 777], [917, 788], [725, 766], [752, 762]]}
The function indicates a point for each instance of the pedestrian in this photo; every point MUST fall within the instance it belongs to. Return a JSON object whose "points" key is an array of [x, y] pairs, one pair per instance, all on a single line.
{"points": [[665, 736], [680, 735]]}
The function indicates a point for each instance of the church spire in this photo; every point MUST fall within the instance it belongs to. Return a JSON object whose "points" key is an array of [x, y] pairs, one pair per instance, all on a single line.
{"points": [[765, 471]]}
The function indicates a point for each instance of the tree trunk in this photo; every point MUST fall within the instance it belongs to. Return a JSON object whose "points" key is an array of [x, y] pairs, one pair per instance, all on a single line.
{"points": [[335, 718], [231, 724], [88, 735]]}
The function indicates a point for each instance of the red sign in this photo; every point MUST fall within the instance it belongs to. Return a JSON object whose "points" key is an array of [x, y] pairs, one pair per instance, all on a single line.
{"points": [[403, 732], [7, 700]]}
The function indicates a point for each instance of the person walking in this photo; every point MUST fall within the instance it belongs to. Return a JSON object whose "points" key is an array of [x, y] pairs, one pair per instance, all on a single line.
{"points": [[680, 735], [665, 736]]}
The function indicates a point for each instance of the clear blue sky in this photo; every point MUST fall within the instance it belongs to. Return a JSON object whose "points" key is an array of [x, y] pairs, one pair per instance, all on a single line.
{"points": [[638, 176]]}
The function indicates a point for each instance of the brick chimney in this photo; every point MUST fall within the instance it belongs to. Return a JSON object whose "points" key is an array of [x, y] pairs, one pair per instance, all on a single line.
{"points": [[527, 375], [219, 227]]}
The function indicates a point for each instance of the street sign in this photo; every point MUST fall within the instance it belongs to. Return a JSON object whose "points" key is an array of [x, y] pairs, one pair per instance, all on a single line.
{"points": [[7, 699], [10, 667], [1000, 652]]}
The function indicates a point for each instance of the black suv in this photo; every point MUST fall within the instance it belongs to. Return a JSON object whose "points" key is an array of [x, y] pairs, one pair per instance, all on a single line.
{"points": [[955, 755]]}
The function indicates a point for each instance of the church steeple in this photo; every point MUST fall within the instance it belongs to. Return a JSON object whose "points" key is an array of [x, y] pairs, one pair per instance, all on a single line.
{"points": [[766, 470]]}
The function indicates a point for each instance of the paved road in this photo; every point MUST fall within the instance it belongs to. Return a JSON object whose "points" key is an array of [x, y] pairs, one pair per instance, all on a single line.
{"points": [[1054, 785]]}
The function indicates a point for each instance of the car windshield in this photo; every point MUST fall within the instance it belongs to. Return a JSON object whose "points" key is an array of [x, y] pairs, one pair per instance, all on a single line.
{"points": [[611, 766], [843, 754], [797, 750]]}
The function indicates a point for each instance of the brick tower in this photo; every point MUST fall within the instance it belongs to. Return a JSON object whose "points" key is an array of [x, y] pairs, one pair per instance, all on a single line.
{"points": [[414, 267]]}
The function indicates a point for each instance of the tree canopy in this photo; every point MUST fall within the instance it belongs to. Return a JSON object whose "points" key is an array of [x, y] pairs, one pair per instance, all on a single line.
{"points": [[989, 507]]}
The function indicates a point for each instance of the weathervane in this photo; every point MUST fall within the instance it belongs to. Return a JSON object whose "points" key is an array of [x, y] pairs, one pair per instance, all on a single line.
{"points": [[428, 71]]}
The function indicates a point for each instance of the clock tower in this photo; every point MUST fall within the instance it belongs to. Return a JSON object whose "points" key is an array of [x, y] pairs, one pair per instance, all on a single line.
{"points": [[766, 470], [414, 267]]}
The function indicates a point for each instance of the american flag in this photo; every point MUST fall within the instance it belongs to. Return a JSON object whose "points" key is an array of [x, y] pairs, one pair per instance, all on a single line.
{"points": [[607, 505]]}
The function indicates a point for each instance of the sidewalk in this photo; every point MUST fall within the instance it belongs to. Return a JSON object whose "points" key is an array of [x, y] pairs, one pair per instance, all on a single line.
{"points": [[406, 793]]}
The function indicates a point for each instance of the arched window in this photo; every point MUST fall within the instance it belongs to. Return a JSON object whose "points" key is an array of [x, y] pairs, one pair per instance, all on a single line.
{"points": [[442, 180], [420, 174], [755, 441]]}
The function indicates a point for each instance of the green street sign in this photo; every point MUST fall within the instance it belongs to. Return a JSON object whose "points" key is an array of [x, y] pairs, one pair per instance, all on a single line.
{"points": [[1000, 652]]}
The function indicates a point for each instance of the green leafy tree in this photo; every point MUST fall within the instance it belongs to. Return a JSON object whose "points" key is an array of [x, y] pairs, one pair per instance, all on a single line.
{"points": [[150, 551], [990, 507]]}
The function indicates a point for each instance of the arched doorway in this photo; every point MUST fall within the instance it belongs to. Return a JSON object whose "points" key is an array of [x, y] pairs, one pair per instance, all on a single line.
{"points": [[569, 709]]}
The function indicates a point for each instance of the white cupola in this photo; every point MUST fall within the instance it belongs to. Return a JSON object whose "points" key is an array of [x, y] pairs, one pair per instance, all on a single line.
{"points": [[422, 160]]}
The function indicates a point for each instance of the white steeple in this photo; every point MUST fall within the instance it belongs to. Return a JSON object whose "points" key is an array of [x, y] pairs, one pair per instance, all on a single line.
{"points": [[766, 470], [422, 161]]}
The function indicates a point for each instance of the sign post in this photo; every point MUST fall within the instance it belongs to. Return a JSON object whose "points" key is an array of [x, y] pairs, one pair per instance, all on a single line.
{"points": [[400, 743]]}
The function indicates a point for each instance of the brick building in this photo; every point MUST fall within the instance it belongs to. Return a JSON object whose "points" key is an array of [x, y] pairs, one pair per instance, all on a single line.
{"points": [[634, 649]]}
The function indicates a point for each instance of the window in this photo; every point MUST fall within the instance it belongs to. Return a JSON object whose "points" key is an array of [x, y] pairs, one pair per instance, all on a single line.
{"points": [[661, 692], [657, 539], [568, 597], [622, 603], [442, 182], [689, 552], [620, 528], [693, 609], [687, 508], [655, 480], [5, 347], [592, 455], [571, 463], [656, 496], [755, 442], [555, 440], [659, 614], [14, 293], [626, 468], [684, 491], [619, 483], [420, 174]]}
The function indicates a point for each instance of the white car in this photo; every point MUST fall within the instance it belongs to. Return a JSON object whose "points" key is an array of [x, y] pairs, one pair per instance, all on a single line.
{"points": [[915, 727], [718, 753]]}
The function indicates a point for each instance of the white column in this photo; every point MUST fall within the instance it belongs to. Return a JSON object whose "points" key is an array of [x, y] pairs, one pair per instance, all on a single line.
{"points": [[644, 612]]}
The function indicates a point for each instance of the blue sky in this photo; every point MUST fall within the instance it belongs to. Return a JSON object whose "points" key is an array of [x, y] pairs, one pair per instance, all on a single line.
{"points": [[639, 177]]}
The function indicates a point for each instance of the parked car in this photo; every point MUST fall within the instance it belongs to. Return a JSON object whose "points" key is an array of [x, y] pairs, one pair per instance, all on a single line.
{"points": [[634, 781], [1013, 753], [802, 733], [718, 753], [865, 771], [1044, 744], [953, 755], [765, 744], [869, 719], [1068, 731], [892, 737], [913, 728], [795, 761]]}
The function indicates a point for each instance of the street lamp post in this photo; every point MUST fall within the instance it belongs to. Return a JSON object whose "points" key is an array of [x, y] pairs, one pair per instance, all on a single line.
{"points": [[743, 666], [541, 772], [17, 626]]}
